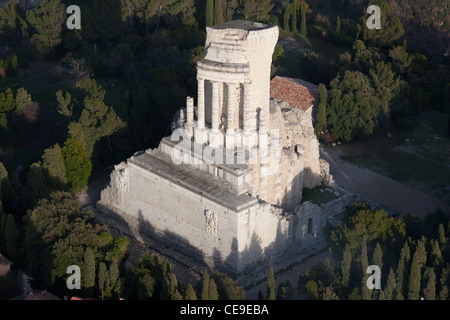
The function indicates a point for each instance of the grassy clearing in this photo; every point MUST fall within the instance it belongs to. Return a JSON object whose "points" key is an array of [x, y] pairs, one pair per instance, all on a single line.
{"points": [[420, 158]]}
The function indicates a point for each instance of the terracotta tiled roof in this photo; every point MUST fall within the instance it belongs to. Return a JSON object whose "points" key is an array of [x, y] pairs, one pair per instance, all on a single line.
{"points": [[4, 261], [298, 93]]}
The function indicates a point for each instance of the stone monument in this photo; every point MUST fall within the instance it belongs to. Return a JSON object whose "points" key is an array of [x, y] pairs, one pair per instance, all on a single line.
{"points": [[226, 187]]}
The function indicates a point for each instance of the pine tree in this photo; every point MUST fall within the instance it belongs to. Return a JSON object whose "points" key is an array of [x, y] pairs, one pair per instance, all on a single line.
{"points": [[48, 19], [209, 13], [391, 285], [205, 286], [338, 25], [218, 16], [346, 266], [190, 293], [271, 287], [11, 237], [89, 272]]}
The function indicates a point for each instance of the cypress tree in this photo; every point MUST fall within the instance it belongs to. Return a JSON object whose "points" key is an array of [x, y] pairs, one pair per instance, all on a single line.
{"points": [[443, 281], [346, 266], [321, 116], [78, 166], [53, 168], [114, 277], [441, 232], [377, 258], [205, 286], [218, 16], [271, 287], [89, 272], [402, 268], [11, 237], [209, 13], [366, 293], [3, 179], [418, 261], [338, 25], [286, 16], [260, 295], [212, 290], [101, 278], [303, 18], [390, 285], [190, 293], [294, 16], [429, 290]]}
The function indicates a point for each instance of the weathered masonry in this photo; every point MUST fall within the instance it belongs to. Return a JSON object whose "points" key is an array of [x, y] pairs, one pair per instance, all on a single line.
{"points": [[239, 216]]}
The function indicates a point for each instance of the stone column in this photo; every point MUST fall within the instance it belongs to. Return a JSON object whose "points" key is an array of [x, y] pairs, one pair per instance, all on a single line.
{"points": [[200, 111], [247, 109], [190, 115], [215, 106], [231, 109], [215, 117]]}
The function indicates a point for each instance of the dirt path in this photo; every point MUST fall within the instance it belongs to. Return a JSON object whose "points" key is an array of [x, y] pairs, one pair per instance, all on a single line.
{"points": [[387, 192]]}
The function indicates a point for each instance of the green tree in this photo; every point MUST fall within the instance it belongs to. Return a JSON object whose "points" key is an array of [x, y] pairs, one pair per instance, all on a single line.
{"points": [[271, 286], [294, 16], [3, 179], [402, 268], [36, 184], [64, 103], [114, 278], [228, 288], [303, 10], [338, 25], [354, 106], [48, 18], [205, 286], [23, 99], [53, 168], [97, 120], [346, 266], [321, 116], [218, 15], [7, 103], [429, 287], [377, 258], [401, 59], [209, 13], [366, 294], [286, 16], [256, 10], [78, 167], [284, 291], [212, 290], [88, 272], [418, 261], [391, 285], [140, 117], [14, 25], [392, 28], [11, 237], [101, 277], [441, 233], [190, 293]]}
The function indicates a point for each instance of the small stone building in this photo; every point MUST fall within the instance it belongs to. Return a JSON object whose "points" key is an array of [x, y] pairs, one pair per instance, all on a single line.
{"points": [[226, 187]]}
